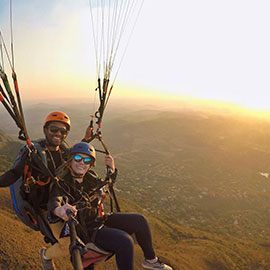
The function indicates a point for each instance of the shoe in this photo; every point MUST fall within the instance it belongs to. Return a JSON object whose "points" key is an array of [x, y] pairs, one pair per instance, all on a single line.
{"points": [[158, 265], [47, 264]]}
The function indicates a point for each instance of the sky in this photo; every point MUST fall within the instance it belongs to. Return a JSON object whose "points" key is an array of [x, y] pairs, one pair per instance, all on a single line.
{"points": [[212, 49]]}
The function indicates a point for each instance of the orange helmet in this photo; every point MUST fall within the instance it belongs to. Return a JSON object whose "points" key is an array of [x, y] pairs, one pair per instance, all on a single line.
{"points": [[57, 117]]}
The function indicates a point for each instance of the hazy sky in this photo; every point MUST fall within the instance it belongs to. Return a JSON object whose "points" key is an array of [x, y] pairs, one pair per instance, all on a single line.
{"points": [[211, 49]]}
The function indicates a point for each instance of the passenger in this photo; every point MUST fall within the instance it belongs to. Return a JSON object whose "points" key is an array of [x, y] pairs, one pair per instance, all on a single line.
{"points": [[111, 232]]}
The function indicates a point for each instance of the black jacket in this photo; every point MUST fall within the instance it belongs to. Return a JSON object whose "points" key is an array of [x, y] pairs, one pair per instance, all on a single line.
{"points": [[77, 194], [38, 195], [33, 200]]}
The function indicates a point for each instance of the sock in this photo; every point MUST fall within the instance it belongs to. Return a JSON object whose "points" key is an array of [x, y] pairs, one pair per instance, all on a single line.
{"points": [[152, 260], [44, 256]]}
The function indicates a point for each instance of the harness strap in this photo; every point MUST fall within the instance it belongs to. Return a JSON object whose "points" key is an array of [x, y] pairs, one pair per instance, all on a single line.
{"points": [[29, 179], [101, 206]]}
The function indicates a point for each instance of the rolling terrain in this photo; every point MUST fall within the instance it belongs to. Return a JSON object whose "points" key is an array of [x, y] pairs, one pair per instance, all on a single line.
{"points": [[183, 247], [200, 177]]}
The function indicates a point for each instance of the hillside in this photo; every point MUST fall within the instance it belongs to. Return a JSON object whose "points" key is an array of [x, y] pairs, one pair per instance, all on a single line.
{"points": [[8, 150], [183, 247], [211, 172], [202, 177]]}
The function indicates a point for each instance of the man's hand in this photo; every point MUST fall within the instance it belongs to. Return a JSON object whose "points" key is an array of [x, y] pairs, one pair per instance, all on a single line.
{"points": [[88, 134], [109, 162], [61, 211]]}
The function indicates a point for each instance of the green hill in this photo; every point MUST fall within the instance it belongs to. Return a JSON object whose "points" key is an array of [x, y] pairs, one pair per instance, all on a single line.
{"points": [[8, 151]]}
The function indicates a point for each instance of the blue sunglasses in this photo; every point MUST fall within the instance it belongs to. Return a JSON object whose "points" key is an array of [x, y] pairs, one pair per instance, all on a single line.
{"points": [[86, 160]]}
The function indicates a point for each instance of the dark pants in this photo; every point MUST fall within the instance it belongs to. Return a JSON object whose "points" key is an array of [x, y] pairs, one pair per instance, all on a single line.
{"points": [[116, 237]]}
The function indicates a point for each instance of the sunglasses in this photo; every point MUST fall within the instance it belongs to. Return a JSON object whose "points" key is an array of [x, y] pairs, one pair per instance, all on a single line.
{"points": [[86, 160], [54, 129]]}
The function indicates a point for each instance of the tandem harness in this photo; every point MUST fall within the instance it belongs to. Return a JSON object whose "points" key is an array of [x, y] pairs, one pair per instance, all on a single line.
{"points": [[27, 212]]}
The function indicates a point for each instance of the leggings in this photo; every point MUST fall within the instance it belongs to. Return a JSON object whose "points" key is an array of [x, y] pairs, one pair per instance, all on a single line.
{"points": [[115, 236]]}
